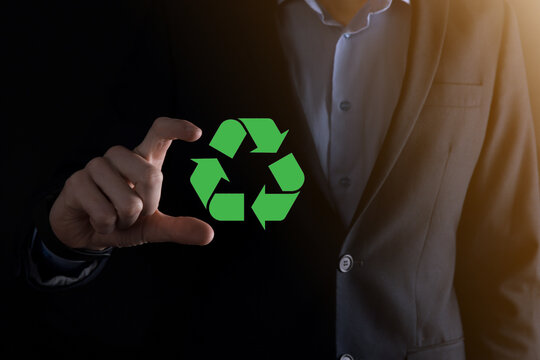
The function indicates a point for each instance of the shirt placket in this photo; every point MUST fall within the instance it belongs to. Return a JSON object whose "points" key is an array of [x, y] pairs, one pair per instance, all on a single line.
{"points": [[343, 154]]}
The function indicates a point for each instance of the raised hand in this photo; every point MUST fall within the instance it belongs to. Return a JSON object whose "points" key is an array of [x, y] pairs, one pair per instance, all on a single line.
{"points": [[114, 200]]}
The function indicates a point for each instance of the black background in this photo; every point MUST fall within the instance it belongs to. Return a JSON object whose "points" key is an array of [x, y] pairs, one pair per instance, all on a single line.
{"points": [[59, 64]]}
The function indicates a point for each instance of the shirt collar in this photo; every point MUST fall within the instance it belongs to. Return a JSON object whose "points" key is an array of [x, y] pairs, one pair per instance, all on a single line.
{"points": [[405, 1], [360, 21]]}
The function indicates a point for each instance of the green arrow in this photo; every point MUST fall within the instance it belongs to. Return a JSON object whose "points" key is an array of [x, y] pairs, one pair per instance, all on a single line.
{"points": [[272, 207], [288, 173], [265, 134], [205, 178], [228, 137], [227, 207]]}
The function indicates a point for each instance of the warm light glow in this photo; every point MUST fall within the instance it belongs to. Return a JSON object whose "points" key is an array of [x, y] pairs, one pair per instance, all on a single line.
{"points": [[527, 12]]}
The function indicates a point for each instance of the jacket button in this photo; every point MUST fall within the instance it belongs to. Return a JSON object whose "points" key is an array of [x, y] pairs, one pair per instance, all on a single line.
{"points": [[345, 265], [345, 182], [345, 105], [346, 357]]}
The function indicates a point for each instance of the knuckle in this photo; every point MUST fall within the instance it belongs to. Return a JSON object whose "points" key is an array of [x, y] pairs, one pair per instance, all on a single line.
{"points": [[74, 181], [96, 165], [130, 209], [159, 121], [156, 125], [115, 151], [104, 219], [152, 176]]}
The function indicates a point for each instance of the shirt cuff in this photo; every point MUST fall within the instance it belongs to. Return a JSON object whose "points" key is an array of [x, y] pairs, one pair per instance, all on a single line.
{"points": [[63, 266]]}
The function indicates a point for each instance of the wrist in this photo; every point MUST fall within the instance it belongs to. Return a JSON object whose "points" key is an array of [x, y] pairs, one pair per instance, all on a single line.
{"points": [[50, 240]]}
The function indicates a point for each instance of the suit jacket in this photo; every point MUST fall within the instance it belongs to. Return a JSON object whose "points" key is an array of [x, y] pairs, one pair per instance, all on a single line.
{"points": [[529, 28], [445, 238]]}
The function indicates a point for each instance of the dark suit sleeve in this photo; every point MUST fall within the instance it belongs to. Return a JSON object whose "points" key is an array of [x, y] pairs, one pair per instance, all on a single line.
{"points": [[497, 275]]}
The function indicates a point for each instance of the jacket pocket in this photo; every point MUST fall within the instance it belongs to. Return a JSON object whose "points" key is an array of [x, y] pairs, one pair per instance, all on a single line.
{"points": [[451, 350], [454, 95]]}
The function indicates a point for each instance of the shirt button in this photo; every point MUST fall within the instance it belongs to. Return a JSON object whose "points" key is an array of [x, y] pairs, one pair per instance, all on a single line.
{"points": [[346, 357], [345, 182], [345, 106], [345, 265], [347, 36]]}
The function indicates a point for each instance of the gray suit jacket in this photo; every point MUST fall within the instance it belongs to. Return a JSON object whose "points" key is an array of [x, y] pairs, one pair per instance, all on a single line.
{"points": [[446, 236]]}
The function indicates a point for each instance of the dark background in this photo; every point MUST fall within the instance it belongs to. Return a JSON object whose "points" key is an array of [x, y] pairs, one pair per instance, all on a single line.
{"points": [[60, 60], [59, 64]]}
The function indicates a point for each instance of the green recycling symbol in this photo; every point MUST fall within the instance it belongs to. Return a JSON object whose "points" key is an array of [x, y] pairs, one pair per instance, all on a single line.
{"points": [[286, 171]]}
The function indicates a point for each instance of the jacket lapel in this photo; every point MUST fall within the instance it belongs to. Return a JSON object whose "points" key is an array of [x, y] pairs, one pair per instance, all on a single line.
{"points": [[428, 30]]}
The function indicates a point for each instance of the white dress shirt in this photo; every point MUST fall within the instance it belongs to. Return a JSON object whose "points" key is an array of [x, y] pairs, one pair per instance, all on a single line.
{"points": [[348, 80]]}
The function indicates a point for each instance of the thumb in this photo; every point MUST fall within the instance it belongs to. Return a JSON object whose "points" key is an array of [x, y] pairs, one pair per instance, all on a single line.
{"points": [[183, 229], [155, 228]]}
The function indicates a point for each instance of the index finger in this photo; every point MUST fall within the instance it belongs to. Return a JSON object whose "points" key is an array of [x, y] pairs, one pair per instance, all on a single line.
{"points": [[160, 136]]}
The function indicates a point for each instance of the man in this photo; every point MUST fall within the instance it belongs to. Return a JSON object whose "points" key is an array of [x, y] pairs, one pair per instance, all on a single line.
{"points": [[416, 232]]}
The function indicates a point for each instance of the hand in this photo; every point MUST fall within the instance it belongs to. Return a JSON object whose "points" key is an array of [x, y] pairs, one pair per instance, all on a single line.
{"points": [[114, 200]]}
